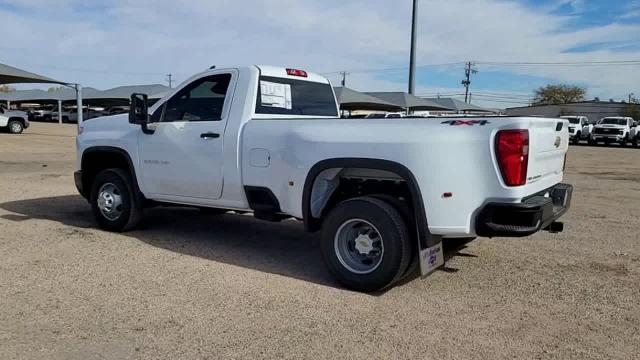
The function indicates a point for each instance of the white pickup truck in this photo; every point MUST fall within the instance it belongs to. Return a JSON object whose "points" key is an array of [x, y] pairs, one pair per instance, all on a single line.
{"points": [[13, 121], [579, 128], [617, 129], [384, 193]]}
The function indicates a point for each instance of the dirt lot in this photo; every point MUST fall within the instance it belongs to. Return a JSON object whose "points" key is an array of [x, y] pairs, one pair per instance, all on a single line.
{"points": [[190, 285]]}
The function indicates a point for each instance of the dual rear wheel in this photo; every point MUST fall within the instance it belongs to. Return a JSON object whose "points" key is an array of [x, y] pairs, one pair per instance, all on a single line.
{"points": [[366, 244]]}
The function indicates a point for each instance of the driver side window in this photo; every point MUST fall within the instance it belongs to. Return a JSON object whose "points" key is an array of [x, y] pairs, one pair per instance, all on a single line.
{"points": [[202, 100]]}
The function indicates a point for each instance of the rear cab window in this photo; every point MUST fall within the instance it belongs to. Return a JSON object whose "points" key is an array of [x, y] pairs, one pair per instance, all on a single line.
{"points": [[294, 96]]}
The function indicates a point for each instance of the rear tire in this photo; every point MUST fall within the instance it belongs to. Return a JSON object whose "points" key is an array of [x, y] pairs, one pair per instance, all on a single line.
{"points": [[15, 127], [114, 201], [366, 244]]}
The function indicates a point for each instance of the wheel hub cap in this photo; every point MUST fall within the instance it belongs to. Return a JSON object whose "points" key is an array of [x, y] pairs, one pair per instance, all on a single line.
{"points": [[358, 246], [110, 201], [364, 244]]}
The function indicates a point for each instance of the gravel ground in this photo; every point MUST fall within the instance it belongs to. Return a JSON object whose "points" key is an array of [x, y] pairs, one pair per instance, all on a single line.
{"points": [[189, 285]]}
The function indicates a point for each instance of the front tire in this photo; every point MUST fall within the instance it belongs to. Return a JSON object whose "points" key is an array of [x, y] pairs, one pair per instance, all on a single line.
{"points": [[114, 201], [366, 244], [576, 138], [15, 127]]}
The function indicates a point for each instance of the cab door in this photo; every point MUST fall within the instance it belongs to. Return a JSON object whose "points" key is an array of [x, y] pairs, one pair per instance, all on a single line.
{"points": [[182, 153]]}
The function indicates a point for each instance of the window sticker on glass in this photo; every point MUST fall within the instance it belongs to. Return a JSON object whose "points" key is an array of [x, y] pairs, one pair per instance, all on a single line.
{"points": [[275, 95]]}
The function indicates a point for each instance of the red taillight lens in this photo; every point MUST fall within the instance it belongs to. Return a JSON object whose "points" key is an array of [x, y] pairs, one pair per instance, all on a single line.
{"points": [[296, 72], [512, 151]]}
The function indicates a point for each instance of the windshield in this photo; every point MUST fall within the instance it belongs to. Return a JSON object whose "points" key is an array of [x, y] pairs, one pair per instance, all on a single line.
{"points": [[573, 120], [376, 116], [613, 121]]}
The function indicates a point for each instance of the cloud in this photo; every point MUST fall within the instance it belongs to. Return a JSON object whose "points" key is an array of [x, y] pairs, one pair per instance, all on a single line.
{"points": [[119, 41]]}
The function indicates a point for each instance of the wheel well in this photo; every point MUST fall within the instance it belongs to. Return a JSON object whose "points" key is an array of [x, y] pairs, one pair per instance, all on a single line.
{"points": [[335, 185], [17, 119], [96, 160]]}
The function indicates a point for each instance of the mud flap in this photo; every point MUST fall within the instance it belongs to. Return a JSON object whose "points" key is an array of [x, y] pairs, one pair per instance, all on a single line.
{"points": [[430, 254]]}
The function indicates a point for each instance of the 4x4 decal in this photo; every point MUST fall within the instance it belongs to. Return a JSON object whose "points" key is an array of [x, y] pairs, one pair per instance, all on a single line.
{"points": [[466, 122]]}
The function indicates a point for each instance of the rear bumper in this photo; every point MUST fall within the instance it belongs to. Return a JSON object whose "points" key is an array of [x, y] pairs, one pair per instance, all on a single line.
{"points": [[533, 214]]}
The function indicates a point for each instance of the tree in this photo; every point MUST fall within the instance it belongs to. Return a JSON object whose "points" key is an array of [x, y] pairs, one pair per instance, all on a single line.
{"points": [[6, 89], [559, 94], [631, 110], [54, 89]]}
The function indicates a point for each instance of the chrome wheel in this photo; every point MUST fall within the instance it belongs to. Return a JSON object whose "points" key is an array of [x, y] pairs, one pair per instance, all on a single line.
{"points": [[110, 201], [358, 246]]}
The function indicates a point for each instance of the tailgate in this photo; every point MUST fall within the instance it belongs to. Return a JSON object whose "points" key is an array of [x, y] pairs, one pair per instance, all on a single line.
{"points": [[548, 145]]}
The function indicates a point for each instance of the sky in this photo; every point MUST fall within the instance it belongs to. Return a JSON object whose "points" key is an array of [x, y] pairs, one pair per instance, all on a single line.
{"points": [[109, 43]]}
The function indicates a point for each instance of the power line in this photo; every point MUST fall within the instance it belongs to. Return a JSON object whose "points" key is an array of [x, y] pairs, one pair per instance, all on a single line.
{"points": [[562, 63], [403, 68]]}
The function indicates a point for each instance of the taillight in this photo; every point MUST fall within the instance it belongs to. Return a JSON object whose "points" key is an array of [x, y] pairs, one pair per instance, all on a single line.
{"points": [[296, 72], [512, 152]]}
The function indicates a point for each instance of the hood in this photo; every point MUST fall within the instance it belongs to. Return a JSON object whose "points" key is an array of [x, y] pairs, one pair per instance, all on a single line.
{"points": [[18, 113], [107, 122], [610, 126]]}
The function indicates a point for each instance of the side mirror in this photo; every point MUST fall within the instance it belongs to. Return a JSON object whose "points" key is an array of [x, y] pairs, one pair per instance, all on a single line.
{"points": [[139, 110]]}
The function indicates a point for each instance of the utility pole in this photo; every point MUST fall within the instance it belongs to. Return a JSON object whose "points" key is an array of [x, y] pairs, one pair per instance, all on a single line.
{"points": [[469, 69], [412, 58], [169, 79], [344, 78]]}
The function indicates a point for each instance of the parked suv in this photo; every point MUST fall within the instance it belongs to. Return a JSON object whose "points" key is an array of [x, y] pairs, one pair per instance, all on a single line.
{"points": [[12, 120], [579, 128]]}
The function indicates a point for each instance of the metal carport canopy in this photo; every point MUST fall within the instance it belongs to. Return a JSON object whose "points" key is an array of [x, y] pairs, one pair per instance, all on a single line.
{"points": [[408, 101], [458, 105], [13, 75], [350, 99]]}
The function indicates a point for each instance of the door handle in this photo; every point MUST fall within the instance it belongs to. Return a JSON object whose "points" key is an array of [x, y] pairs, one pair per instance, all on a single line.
{"points": [[209, 135]]}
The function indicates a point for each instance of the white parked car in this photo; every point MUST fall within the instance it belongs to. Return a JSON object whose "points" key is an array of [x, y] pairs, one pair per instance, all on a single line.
{"points": [[616, 129], [384, 115], [269, 140], [13, 121], [45, 113], [70, 114], [579, 128]]}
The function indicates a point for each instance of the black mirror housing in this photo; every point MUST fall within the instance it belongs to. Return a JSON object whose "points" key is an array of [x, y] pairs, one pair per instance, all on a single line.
{"points": [[139, 109]]}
